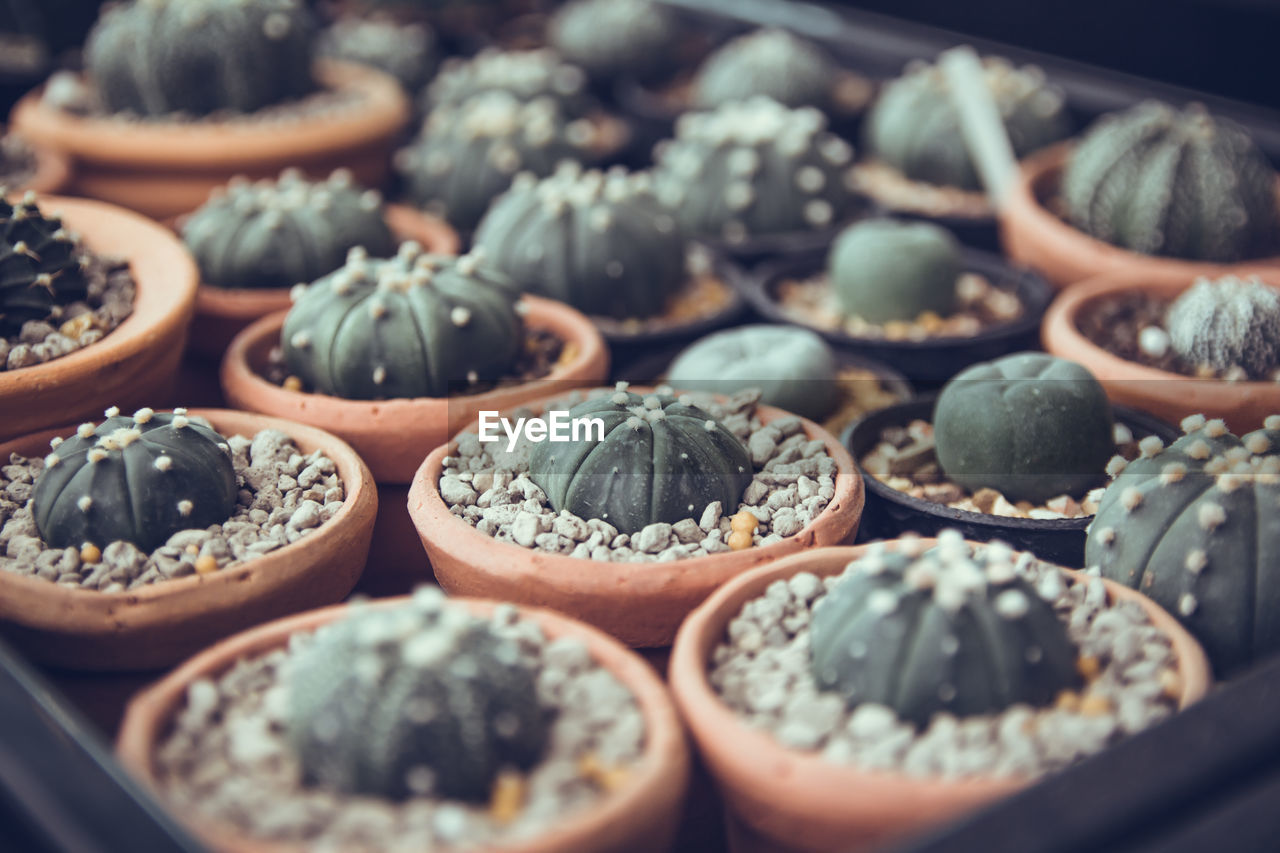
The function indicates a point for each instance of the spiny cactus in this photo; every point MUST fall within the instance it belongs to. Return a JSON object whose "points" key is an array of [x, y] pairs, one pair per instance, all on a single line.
{"points": [[155, 57], [284, 232], [406, 51], [662, 460], [951, 629], [1180, 184], [423, 699], [42, 265], [415, 325], [615, 38], [771, 62], [1227, 323], [136, 479], [526, 75], [884, 270]]}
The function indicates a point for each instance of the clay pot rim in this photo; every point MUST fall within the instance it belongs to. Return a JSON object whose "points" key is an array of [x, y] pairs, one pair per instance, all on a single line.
{"points": [[665, 756], [726, 273], [953, 217], [655, 102], [53, 171]]}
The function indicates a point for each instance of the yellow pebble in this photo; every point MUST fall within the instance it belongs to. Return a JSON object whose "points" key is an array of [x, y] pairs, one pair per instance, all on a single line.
{"points": [[292, 383], [740, 540], [608, 778], [1088, 667], [1170, 683], [744, 521], [930, 322], [90, 553], [508, 796], [1095, 705], [1068, 700], [207, 563], [568, 354], [193, 549]]}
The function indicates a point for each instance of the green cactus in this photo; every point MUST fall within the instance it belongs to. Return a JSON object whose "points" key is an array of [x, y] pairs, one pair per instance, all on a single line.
{"points": [[771, 62], [661, 460], [526, 75], [1227, 323], [883, 270], [42, 265], [406, 51], [1029, 425], [1179, 184], [951, 629], [615, 38], [136, 479]]}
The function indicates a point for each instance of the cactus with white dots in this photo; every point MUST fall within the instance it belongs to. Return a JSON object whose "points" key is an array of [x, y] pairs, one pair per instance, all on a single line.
{"points": [[1227, 323], [771, 62], [42, 265], [526, 75]]}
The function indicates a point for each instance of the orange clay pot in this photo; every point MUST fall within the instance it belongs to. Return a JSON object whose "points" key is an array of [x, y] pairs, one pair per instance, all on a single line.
{"points": [[52, 174], [134, 365], [780, 799], [639, 817], [164, 168], [1032, 234], [161, 624], [642, 604], [1171, 396]]}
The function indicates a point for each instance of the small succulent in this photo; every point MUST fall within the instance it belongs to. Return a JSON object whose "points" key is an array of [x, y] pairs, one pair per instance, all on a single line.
{"points": [[660, 460], [953, 629], [422, 699], [284, 232], [136, 479], [1029, 425], [406, 51], [1227, 323], [526, 75], [42, 265], [771, 62], [615, 38], [883, 270]]}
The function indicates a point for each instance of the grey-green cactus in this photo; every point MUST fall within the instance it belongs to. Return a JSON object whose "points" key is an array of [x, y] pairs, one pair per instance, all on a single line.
{"points": [[1029, 425], [1181, 184], [615, 38], [882, 270], [42, 265], [771, 62], [952, 629], [1228, 323], [660, 460], [526, 75], [136, 479], [422, 699], [405, 50]]}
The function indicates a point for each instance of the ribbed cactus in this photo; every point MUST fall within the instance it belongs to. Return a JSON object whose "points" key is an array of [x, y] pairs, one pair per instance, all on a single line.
{"points": [[136, 479], [42, 265], [598, 241], [284, 232], [155, 57], [615, 38], [526, 75], [1180, 184], [661, 460], [1227, 323], [415, 325], [406, 51], [1029, 425], [882, 270], [423, 699], [951, 629], [769, 62]]}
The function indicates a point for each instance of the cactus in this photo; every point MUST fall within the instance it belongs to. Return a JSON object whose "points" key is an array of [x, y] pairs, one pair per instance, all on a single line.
{"points": [[280, 233], [769, 62], [754, 167], [415, 325], [406, 51], [884, 270], [951, 629], [42, 265], [155, 57], [422, 699], [1029, 425], [136, 479], [1180, 184], [600, 242], [1227, 323], [914, 127], [526, 75], [615, 38], [661, 460]]}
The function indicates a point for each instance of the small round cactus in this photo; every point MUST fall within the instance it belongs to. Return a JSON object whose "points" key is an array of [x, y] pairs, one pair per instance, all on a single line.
{"points": [[421, 700], [600, 242], [615, 38], [136, 479], [883, 270], [661, 460], [1181, 184], [769, 62], [1029, 425], [284, 232], [42, 265], [1227, 323], [952, 629], [526, 75], [406, 51]]}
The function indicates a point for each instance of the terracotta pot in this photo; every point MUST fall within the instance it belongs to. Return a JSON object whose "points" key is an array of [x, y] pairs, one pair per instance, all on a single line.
{"points": [[135, 363], [166, 168], [640, 817], [158, 625], [779, 799], [642, 604], [1033, 235], [52, 173]]}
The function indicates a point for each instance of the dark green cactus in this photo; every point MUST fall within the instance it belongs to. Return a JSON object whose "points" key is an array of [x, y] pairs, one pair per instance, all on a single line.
{"points": [[526, 75], [661, 460], [951, 629], [769, 62], [42, 265], [1029, 425], [1180, 184], [136, 479], [422, 699], [155, 57], [600, 242], [615, 38], [285, 232], [1227, 323], [415, 325], [406, 51], [883, 270]]}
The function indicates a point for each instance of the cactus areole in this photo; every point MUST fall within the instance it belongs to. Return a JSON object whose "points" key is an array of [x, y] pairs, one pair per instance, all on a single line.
{"points": [[42, 265]]}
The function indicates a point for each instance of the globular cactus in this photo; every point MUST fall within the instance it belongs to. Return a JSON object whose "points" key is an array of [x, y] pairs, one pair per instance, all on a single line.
{"points": [[416, 325], [135, 479], [661, 460], [1182, 184], [1029, 425], [525, 75], [754, 167], [42, 265], [615, 38], [155, 57], [1193, 526], [771, 62], [284, 232], [424, 699], [1227, 323], [883, 270], [406, 51], [914, 127], [598, 241], [952, 629]]}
